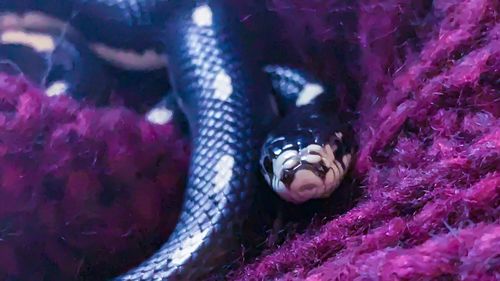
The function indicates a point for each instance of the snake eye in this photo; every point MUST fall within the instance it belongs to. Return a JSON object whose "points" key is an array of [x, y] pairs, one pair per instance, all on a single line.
{"points": [[268, 165], [340, 151]]}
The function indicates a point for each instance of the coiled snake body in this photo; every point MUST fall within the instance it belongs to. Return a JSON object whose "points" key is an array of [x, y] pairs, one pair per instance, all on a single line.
{"points": [[228, 100]]}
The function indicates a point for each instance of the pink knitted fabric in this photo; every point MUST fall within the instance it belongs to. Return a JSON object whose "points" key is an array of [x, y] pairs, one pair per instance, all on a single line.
{"points": [[429, 137], [83, 191]]}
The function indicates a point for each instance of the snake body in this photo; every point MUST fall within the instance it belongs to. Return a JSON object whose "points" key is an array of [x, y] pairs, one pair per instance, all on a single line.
{"points": [[229, 103], [226, 99]]}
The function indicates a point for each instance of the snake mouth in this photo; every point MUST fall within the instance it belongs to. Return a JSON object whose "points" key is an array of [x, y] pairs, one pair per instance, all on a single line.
{"points": [[305, 181], [317, 170], [309, 173]]}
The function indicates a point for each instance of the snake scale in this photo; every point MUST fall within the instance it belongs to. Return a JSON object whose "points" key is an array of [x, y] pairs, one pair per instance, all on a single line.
{"points": [[243, 119]]}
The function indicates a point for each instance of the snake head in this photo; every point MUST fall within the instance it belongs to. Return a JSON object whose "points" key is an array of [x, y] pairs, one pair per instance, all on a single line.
{"points": [[300, 169]]}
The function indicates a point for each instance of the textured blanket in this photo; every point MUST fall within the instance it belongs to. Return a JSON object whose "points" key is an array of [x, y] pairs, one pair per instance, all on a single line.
{"points": [[87, 192]]}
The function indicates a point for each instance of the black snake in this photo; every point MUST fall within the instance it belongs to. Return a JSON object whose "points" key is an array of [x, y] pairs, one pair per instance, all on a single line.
{"points": [[226, 95]]}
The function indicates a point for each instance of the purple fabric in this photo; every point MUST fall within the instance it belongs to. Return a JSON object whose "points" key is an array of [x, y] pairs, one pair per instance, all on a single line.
{"points": [[86, 191], [429, 136], [83, 191]]}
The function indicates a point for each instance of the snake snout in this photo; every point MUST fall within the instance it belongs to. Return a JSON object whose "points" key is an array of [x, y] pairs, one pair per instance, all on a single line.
{"points": [[299, 175]]}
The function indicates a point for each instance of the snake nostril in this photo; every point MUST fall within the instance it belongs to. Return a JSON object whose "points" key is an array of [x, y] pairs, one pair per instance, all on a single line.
{"points": [[287, 177]]}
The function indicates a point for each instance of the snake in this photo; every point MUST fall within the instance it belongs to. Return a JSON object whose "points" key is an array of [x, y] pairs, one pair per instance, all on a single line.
{"points": [[247, 121]]}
